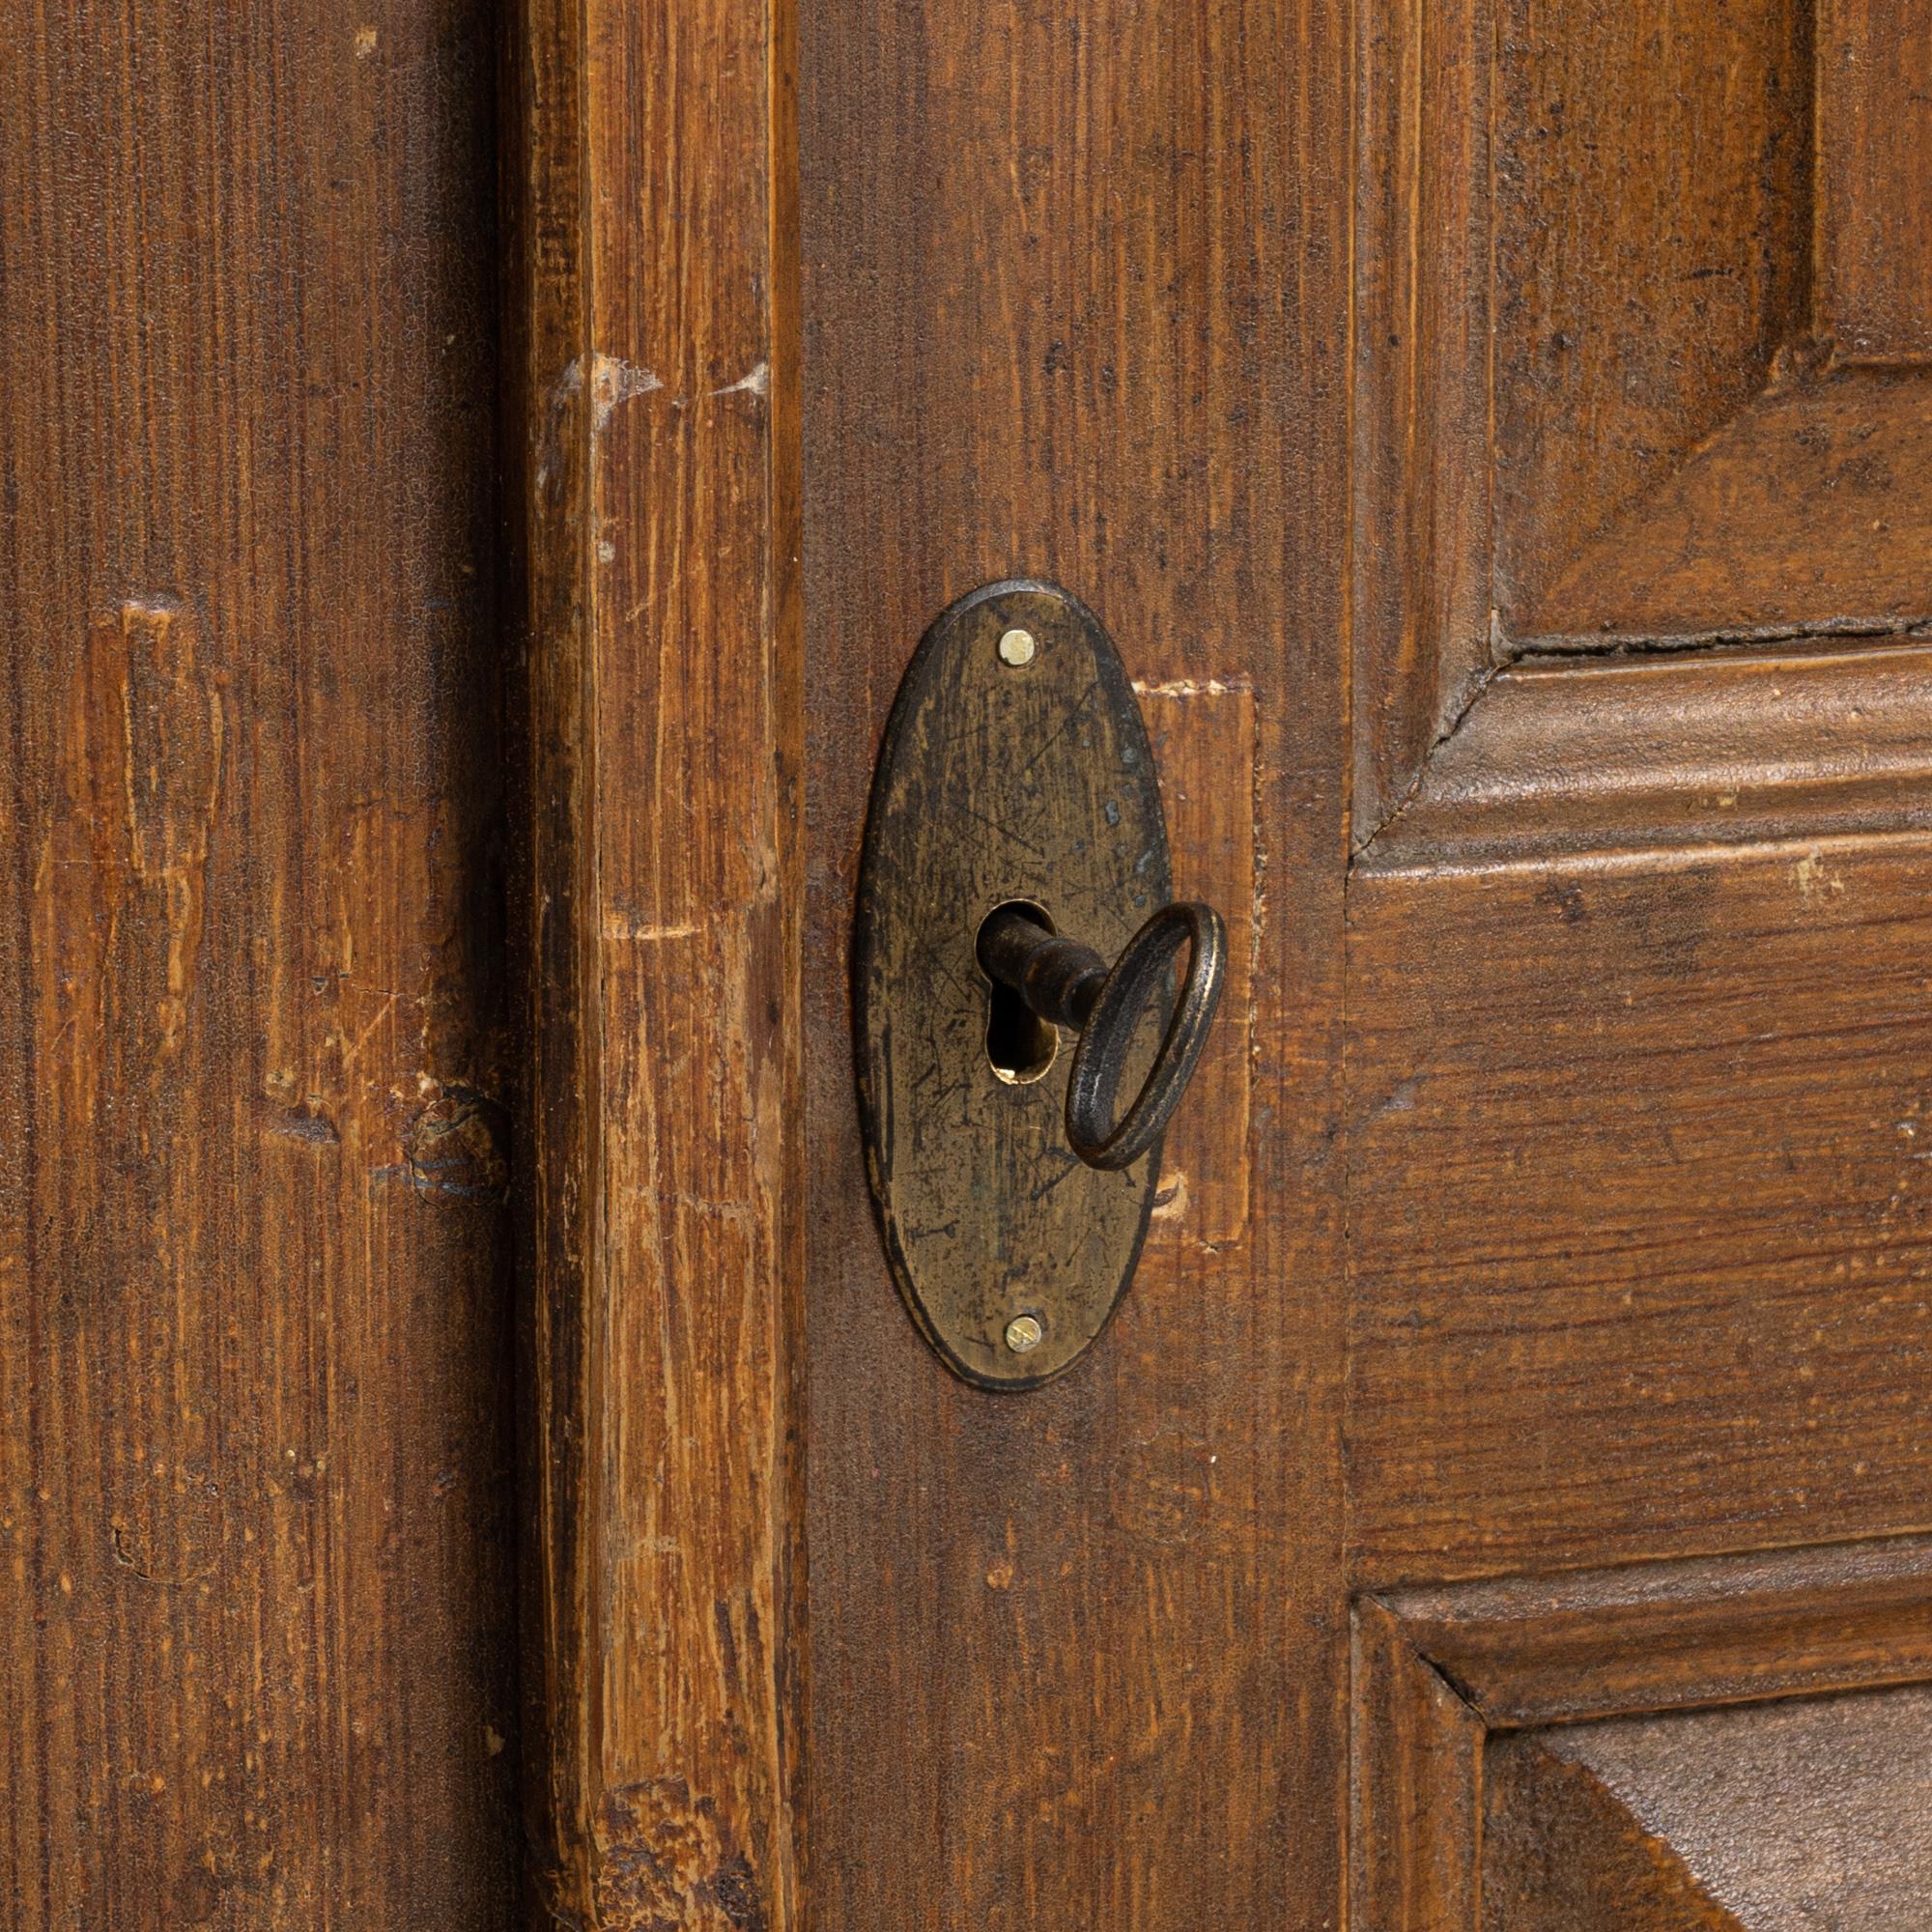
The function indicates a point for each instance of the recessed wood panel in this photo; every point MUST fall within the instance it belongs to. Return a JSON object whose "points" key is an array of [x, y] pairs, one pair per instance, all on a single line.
{"points": [[1602, 400], [1479, 1797], [1651, 212]]}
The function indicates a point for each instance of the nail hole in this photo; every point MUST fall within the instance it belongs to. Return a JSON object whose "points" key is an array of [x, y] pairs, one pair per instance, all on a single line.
{"points": [[1020, 1045]]}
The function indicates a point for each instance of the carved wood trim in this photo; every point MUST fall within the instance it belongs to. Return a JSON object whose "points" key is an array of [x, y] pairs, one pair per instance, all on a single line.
{"points": [[1674, 749], [1438, 1670]]}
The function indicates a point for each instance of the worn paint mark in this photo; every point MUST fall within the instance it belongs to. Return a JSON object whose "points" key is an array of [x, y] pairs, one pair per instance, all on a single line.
{"points": [[625, 926], [615, 382], [1189, 686], [756, 382], [1810, 876]]}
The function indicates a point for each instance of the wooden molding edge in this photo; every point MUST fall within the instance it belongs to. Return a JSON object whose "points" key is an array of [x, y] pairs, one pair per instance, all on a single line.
{"points": [[1438, 1670], [1562, 756], [651, 464]]}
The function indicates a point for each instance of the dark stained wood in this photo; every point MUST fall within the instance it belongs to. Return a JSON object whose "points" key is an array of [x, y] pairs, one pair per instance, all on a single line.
{"points": [[1807, 512], [1560, 1854], [255, 1588], [1416, 1785], [1420, 537], [1075, 304], [655, 359], [1653, 255], [1770, 1818], [1874, 157]]}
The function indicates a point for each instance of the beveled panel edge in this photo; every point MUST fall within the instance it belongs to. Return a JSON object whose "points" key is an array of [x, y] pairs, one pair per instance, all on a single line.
{"points": [[1560, 756]]}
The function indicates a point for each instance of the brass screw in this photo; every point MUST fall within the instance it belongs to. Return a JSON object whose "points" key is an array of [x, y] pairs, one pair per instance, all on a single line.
{"points": [[1024, 1334], [1016, 648]]}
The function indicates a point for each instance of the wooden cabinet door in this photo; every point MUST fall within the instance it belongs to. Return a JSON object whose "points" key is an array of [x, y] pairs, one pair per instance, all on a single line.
{"points": [[474, 480], [1496, 434]]}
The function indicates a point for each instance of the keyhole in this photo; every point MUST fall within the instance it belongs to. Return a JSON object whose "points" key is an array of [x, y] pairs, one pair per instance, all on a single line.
{"points": [[1020, 1045]]}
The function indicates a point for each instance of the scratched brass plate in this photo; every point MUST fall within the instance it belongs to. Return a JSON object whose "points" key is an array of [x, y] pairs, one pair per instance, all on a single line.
{"points": [[999, 782]]}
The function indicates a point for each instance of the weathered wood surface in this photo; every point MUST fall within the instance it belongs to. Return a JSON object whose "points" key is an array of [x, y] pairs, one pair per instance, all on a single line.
{"points": [[654, 362], [255, 1590], [1075, 306]]}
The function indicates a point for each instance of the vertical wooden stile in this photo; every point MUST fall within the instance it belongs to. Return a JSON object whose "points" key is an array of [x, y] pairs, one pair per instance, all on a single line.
{"points": [[652, 450]]}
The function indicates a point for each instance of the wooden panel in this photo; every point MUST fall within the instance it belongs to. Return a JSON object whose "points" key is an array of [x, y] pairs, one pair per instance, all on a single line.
{"points": [[1627, 1823], [1422, 523], [255, 1600], [1874, 174], [1417, 1818], [1770, 1818], [655, 351], [1583, 246], [1808, 511], [1560, 1854], [1076, 296], [1654, 1636], [1643, 1230], [1652, 240]]}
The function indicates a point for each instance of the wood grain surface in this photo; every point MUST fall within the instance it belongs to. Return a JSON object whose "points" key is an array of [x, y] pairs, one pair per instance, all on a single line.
{"points": [[1076, 306], [1874, 157], [654, 419], [1643, 1223], [1656, 751], [256, 1601]]}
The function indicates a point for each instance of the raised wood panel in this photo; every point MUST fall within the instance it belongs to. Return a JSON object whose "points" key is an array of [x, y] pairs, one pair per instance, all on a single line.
{"points": [[1767, 1818], [1486, 1788], [1642, 1235], [1806, 513], [654, 358], [256, 1597], [1651, 217], [1874, 169], [1076, 297], [1599, 403]]}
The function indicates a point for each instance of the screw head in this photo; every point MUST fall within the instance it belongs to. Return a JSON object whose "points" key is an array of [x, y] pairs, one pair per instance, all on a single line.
{"points": [[1017, 647], [1024, 1334]]}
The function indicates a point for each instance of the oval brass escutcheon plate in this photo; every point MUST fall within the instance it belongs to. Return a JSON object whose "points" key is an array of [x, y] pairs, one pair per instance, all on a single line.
{"points": [[1015, 768]]}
